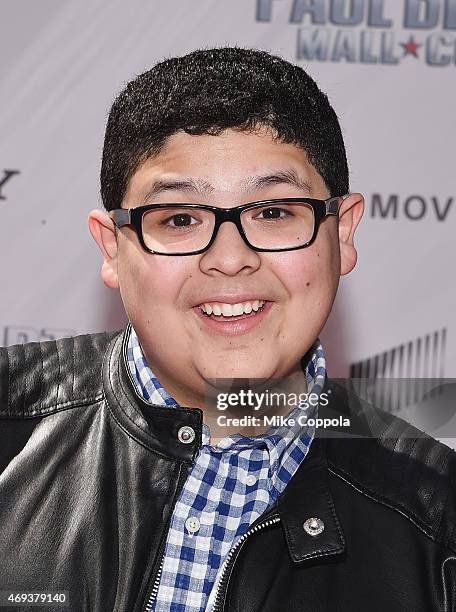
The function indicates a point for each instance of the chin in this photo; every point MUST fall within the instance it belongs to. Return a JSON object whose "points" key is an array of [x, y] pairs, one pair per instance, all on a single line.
{"points": [[238, 370]]}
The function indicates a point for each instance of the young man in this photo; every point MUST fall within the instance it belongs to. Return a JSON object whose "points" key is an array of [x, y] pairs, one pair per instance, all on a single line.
{"points": [[228, 224]]}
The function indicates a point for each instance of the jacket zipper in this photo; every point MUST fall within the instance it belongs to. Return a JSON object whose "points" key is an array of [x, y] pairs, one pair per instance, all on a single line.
{"points": [[154, 591], [222, 585]]}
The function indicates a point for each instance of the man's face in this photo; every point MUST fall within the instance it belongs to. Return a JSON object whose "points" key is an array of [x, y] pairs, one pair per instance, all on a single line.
{"points": [[163, 294]]}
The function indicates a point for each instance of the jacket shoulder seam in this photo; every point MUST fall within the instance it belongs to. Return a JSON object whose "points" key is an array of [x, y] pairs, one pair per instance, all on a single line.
{"points": [[407, 513], [53, 409], [42, 377]]}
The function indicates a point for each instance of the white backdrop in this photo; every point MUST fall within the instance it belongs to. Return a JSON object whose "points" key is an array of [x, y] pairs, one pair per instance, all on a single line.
{"points": [[389, 70]]}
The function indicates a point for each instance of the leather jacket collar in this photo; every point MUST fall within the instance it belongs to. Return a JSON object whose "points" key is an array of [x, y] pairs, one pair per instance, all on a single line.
{"points": [[156, 427]]}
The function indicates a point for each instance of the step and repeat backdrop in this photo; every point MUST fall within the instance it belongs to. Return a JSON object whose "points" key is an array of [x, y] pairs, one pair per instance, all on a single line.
{"points": [[389, 68]]}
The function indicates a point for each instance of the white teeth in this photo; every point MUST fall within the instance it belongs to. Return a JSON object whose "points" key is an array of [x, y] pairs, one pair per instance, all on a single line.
{"points": [[231, 310], [237, 309], [227, 310]]}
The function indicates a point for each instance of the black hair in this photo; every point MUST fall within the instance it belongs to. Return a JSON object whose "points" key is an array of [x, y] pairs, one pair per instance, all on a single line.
{"points": [[208, 91]]}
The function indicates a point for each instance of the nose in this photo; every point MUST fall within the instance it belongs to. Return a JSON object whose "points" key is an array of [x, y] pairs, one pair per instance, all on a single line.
{"points": [[229, 254]]}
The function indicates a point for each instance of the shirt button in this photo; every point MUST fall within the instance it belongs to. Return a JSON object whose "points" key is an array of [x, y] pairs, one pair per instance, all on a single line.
{"points": [[250, 480], [192, 524], [313, 526], [186, 434]]}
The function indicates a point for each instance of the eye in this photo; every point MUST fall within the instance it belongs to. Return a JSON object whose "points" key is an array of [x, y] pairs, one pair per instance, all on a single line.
{"points": [[179, 220], [273, 212]]}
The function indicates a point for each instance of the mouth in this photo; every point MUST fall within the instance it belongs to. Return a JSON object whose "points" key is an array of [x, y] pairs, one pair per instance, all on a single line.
{"points": [[233, 319], [231, 311]]}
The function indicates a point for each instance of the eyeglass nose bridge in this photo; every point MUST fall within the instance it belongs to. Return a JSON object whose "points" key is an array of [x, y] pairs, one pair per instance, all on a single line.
{"points": [[228, 214]]}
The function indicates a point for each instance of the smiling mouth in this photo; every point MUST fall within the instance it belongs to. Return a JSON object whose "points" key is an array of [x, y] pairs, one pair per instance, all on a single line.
{"points": [[224, 311], [252, 315]]}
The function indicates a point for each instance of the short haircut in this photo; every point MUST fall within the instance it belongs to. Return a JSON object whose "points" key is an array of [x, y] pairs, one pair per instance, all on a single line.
{"points": [[208, 91]]}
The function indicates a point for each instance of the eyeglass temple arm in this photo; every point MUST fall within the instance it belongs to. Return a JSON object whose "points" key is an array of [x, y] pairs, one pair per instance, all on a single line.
{"points": [[332, 205], [121, 216]]}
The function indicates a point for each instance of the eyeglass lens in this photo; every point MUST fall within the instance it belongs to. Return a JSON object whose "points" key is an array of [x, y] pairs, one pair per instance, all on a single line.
{"points": [[268, 226]]}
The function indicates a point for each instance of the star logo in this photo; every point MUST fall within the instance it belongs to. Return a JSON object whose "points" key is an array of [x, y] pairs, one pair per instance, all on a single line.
{"points": [[411, 47]]}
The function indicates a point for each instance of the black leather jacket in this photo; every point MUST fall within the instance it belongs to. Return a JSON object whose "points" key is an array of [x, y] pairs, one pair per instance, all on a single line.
{"points": [[89, 474]]}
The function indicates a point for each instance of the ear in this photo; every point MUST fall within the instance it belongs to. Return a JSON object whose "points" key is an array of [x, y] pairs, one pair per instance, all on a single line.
{"points": [[103, 231], [350, 213]]}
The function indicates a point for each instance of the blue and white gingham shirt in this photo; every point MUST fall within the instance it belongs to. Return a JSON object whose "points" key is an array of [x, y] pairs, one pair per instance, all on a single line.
{"points": [[228, 487]]}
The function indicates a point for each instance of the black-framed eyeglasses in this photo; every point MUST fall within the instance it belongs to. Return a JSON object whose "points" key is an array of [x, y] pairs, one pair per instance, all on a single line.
{"points": [[283, 224]]}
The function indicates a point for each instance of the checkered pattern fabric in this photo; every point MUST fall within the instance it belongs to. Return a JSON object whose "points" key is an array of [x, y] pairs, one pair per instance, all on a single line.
{"points": [[228, 487]]}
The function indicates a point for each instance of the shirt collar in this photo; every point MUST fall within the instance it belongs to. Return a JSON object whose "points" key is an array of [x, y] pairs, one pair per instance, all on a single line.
{"points": [[151, 390]]}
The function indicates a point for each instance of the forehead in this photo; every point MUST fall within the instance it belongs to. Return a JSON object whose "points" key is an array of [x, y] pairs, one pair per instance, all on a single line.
{"points": [[232, 162]]}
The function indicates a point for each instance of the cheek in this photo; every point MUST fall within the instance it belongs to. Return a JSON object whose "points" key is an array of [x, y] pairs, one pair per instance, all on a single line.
{"points": [[308, 274], [151, 285], [296, 270]]}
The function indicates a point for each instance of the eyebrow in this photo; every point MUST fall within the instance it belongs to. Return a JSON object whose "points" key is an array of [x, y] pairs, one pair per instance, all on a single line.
{"points": [[249, 185], [287, 177], [198, 186]]}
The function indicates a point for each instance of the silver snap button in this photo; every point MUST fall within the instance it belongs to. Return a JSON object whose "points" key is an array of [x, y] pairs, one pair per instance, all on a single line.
{"points": [[192, 524], [250, 480], [186, 434], [313, 526]]}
